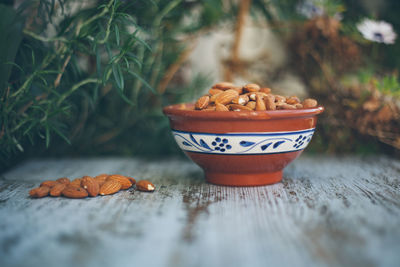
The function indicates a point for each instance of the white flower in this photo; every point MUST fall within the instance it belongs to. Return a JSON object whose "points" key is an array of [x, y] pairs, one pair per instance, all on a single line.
{"points": [[377, 31]]}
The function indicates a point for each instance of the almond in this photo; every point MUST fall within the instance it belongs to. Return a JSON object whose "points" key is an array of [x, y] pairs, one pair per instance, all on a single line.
{"points": [[214, 91], [125, 182], [63, 180], [298, 105], [220, 107], [265, 90], [39, 192], [110, 187], [279, 98], [57, 189], [237, 107], [144, 185], [253, 95], [260, 104], [310, 103], [293, 100], [241, 100], [210, 107], [49, 183], [74, 192], [101, 178], [202, 102], [238, 89], [214, 97], [223, 85], [76, 182], [285, 106], [251, 87], [91, 185], [270, 102], [226, 97], [251, 105], [133, 181]]}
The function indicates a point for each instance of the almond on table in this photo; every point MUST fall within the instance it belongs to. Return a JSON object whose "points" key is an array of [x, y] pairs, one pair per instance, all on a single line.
{"points": [[226, 96], [145, 186], [102, 184]]}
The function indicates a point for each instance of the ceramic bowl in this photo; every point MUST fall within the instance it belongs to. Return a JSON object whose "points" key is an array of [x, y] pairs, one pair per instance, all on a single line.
{"points": [[242, 148]]}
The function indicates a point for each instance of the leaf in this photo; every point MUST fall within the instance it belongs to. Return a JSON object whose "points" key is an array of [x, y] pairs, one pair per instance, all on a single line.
{"points": [[61, 135], [246, 143], [278, 144], [141, 41], [119, 79], [123, 96], [116, 34], [143, 81], [47, 135], [98, 61], [204, 144]]}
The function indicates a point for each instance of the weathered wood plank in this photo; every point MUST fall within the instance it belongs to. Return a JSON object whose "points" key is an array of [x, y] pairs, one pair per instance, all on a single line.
{"points": [[327, 212]]}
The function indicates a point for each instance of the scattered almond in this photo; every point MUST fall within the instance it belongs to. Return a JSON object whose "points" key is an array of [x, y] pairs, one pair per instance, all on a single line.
{"points": [[63, 180], [144, 185], [110, 187], [91, 185], [76, 182], [103, 184], [123, 180], [101, 178], [133, 181], [57, 190], [40, 192], [74, 192], [48, 183]]}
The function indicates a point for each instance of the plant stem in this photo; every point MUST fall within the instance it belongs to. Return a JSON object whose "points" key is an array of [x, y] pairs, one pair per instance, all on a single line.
{"points": [[44, 39], [75, 87]]}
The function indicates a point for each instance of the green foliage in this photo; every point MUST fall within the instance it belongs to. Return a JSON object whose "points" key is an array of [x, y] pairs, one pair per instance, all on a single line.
{"points": [[90, 77]]}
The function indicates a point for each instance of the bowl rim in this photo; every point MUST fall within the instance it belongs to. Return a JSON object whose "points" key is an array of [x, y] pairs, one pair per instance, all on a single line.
{"points": [[181, 110]]}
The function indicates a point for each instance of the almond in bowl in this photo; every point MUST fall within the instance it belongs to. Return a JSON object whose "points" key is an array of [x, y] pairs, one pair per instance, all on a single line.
{"points": [[243, 136]]}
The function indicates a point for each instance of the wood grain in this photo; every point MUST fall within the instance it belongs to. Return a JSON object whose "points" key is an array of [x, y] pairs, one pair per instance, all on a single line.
{"points": [[328, 211]]}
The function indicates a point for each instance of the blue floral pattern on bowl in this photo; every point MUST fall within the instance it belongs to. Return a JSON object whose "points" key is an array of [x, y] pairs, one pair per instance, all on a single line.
{"points": [[243, 143]]}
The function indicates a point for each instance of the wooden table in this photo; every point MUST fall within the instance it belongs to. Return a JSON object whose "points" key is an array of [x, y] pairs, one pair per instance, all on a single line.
{"points": [[328, 211]]}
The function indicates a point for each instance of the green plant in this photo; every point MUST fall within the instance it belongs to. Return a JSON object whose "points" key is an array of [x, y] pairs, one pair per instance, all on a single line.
{"points": [[94, 74]]}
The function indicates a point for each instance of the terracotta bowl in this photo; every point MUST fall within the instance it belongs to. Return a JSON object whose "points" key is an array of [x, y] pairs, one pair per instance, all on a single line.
{"points": [[241, 148]]}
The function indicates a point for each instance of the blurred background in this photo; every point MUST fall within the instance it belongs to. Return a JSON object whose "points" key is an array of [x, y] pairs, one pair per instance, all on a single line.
{"points": [[90, 78]]}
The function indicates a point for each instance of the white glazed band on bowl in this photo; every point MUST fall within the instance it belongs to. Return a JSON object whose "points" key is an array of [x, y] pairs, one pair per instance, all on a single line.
{"points": [[243, 143]]}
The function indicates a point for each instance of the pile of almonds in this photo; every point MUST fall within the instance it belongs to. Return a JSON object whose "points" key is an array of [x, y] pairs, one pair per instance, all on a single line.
{"points": [[226, 96], [103, 184]]}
